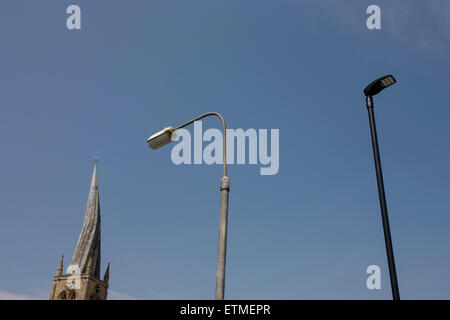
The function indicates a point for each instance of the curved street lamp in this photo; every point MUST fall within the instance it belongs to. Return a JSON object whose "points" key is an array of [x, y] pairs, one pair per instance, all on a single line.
{"points": [[164, 137], [372, 89]]}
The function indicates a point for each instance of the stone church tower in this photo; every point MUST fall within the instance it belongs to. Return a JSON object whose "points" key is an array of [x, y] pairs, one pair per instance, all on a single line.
{"points": [[82, 281]]}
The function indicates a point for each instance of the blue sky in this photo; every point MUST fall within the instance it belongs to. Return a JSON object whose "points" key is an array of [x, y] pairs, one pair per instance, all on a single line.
{"points": [[308, 232]]}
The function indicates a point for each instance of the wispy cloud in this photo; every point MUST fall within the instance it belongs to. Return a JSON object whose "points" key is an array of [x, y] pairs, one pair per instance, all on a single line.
{"points": [[115, 295], [424, 25], [4, 295], [420, 25], [112, 295], [151, 295]]}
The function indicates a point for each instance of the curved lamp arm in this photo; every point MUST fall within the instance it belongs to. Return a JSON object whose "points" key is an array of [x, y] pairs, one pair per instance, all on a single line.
{"points": [[224, 135]]}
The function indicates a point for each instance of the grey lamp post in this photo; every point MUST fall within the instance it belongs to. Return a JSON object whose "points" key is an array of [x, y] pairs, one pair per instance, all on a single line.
{"points": [[372, 89], [164, 137]]}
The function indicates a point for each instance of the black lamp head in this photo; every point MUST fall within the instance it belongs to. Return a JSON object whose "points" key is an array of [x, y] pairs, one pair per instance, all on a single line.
{"points": [[378, 85]]}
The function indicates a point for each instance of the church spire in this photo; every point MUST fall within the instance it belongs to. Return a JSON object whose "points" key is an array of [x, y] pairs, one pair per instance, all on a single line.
{"points": [[88, 246]]}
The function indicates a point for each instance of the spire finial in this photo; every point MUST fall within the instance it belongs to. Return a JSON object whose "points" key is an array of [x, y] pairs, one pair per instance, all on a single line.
{"points": [[96, 158]]}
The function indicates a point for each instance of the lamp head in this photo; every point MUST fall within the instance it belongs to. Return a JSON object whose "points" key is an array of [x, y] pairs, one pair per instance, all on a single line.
{"points": [[160, 138], [378, 85]]}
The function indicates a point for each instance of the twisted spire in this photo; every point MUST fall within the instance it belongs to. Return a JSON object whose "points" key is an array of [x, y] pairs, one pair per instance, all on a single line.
{"points": [[88, 245]]}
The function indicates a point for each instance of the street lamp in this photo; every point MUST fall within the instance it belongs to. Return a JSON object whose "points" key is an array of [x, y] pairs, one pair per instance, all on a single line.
{"points": [[372, 89], [164, 137]]}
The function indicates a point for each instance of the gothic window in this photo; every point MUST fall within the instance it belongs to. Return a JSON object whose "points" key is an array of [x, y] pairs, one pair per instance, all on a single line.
{"points": [[96, 294], [72, 295], [63, 296], [97, 289]]}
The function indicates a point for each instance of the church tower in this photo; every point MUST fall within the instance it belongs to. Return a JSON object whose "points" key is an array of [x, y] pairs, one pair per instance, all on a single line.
{"points": [[82, 281]]}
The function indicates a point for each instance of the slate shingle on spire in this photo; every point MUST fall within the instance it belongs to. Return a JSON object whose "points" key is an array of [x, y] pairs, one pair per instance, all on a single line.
{"points": [[88, 245]]}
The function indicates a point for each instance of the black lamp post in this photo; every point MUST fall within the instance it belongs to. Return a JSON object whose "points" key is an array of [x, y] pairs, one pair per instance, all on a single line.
{"points": [[372, 89]]}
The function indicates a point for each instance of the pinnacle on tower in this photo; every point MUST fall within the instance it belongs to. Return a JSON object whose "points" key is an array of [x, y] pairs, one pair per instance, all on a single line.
{"points": [[60, 267], [106, 277]]}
